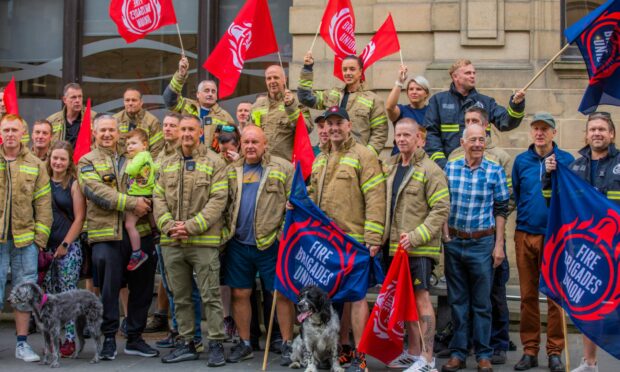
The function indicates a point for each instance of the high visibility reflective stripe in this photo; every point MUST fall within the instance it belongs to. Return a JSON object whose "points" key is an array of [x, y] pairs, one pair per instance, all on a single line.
{"points": [[102, 167], [163, 219], [21, 238], [143, 227], [120, 203], [100, 233], [267, 240], [379, 120], [334, 93], [319, 99], [509, 181], [29, 170], [438, 155], [366, 102], [39, 227], [221, 185], [514, 114], [613, 195], [374, 227], [424, 232], [232, 174], [201, 167], [2, 166], [294, 115], [200, 220], [156, 138], [158, 190], [418, 251], [176, 86], [172, 168], [90, 176], [219, 121], [369, 147], [419, 176], [449, 127], [358, 237], [278, 175], [203, 239], [351, 162], [319, 163], [42, 191], [438, 195], [546, 193], [374, 181], [180, 104], [305, 83]]}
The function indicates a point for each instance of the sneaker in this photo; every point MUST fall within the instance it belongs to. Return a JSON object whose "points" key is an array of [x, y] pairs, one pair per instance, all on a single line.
{"points": [[169, 342], [183, 352], [108, 351], [240, 352], [229, 328], [585, 367], [67, 349], [216, 354], [358, 363], [287, 350], [404, 360], [421, 365], [24, 352], [158, 323], [141, 348], [123, 327], [276, 344], [137, 258], [345, 355], [198, 345]]}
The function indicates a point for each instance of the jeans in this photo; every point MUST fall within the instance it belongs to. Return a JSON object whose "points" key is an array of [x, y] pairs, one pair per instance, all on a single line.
{"points": [[500, 337], [195, 298], [469, 273], [23, 262]]}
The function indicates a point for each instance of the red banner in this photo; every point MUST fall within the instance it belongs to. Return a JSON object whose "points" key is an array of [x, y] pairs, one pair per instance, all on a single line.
{"points": [[302, 148], [395, 305], [137, 18], [249, 36], [384, 43], [338, 27], [10, 98], [83, 142]]}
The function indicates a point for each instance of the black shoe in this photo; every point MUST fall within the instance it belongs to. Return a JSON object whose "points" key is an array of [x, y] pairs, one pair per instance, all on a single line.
{"points": [[141, 348], [276, 344], [287, 349], [108, 351], [183, 352], [498, 357], [123, 327], [555, 363], [512, 346], [240, 352], [169, 342], [158, 323], [527, 362], [216, 354]]}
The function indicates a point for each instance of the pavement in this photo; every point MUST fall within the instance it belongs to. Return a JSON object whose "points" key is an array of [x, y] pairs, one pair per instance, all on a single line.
{"points": [[128, 363]]}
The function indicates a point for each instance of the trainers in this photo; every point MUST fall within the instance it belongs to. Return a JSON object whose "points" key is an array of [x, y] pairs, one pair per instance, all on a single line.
{"points": [[229, 328], [108, 351], [287, 349], [158, 323], [67, 349], [358, 363], [585, 367], [137, 258], [198, 345], [498, 357], [183, 352], [216, 354], [345, 355], [24, 352], [276, 344], [169, 342], [240, 352], [421, 365], [404, 360], [141, 348]]}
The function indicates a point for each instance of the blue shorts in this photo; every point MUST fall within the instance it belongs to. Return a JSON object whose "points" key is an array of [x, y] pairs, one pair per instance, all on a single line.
{"points": [[243, 261], [23, 263]]}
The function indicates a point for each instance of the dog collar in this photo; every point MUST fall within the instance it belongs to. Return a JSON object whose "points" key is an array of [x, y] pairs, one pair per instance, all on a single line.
{"points": [[43, 300]]}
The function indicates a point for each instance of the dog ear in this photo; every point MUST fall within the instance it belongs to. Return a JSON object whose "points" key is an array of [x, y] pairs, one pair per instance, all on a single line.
{"points": [[37, 292]]}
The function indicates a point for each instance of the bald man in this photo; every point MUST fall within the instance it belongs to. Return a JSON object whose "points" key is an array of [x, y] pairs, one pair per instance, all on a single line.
{"points": [[277, 113], [255, 236]]}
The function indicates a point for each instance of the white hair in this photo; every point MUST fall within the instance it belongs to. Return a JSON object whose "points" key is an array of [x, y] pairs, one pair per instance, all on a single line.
{"points": [[105, 117]]}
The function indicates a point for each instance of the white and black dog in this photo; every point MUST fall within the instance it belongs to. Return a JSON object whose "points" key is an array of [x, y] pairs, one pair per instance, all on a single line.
{"points": [[318, 341], [53, 311]]}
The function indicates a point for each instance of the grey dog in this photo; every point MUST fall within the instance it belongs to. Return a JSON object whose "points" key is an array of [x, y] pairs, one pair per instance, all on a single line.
{"points": [[53, 311], [318, 342]]}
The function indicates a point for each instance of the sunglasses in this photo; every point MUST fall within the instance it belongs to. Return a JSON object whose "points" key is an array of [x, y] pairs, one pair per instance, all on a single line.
{"points": [[225, 128]]}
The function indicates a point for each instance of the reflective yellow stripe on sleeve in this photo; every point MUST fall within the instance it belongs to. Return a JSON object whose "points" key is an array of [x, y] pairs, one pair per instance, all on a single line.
{"points": [[374, 181], [438, 195]]}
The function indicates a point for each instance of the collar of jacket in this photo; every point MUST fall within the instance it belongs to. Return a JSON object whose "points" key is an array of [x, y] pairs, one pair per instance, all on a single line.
{"points": [[586, 151], [471, 93], [64, 112], [215, 109], [23, 150], [346, 145], [265, 160], [110, 151], [198, 151], [138, 116], [418, 155], [531, 149], [277, 99], [361, 88]]}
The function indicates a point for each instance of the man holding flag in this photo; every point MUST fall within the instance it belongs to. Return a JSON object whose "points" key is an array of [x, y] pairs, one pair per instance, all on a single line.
{"points": [[348, 184], [67, 122], [599, 165], [419, 200]]}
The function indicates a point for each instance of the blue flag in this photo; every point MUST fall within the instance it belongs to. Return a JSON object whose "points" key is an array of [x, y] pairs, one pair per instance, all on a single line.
{"points": [[597, 36], [581, 259], [314, 251]]}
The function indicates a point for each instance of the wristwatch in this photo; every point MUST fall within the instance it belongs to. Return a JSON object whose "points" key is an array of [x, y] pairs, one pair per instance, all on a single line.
{"points": [[64, 244]]}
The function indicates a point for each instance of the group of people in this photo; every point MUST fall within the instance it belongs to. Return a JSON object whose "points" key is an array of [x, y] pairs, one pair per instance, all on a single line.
{"points": [[203, 196]]}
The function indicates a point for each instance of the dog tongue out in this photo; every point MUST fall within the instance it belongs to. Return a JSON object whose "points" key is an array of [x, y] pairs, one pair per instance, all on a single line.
{"points": [[302, 316]]}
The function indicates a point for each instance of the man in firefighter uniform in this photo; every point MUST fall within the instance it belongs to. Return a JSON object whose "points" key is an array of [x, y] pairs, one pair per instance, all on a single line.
{"points": [[66, 123], [134, 116], [205, 107]]}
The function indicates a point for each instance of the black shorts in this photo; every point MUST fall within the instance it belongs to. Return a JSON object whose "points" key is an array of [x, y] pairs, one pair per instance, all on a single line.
{"points": [[421, 269]]}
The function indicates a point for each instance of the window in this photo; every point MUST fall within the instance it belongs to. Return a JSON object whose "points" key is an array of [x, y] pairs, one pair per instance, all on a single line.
{"points": [[572, 11]]}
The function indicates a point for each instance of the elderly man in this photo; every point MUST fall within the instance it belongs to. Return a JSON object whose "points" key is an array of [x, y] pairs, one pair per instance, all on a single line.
{"points": [[205, 106], [419, 200], [190, 196], [66, 123], [445, 117], [242, 114], [532, 214], [347, 183], [134, 116], [26, 219], [257, 182], [104, 183], [277, 113], [474, 246], [41, 138]]}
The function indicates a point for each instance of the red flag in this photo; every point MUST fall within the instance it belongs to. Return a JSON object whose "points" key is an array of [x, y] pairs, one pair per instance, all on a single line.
{"points": [[384, 43], [83, 142], [10, 98], [137, 18], [250, 35], [338, 27], [302, 148], [384, 332]]}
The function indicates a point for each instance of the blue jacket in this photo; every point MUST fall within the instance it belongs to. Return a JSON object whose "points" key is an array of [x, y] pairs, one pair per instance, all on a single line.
{"points": [[527, 175], [445, 120]]}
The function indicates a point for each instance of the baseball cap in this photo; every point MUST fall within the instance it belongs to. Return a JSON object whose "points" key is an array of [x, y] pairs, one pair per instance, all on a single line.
{"points": [[545, 117], [336, 111], [319, 118]]}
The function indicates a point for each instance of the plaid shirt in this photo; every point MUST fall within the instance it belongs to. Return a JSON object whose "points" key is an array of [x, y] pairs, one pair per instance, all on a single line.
{"points": [[473, 193]]}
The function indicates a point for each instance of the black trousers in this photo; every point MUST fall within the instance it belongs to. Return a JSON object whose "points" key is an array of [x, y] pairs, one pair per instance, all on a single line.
{"points": [[110, 261]]}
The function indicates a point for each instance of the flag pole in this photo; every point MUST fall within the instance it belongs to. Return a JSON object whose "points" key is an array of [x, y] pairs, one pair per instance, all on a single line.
{"points": [[545, 67], [316, 35], [180, 41], [565, 329], [282, 66], [421, 336], [400, 52], [271, 316]]}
